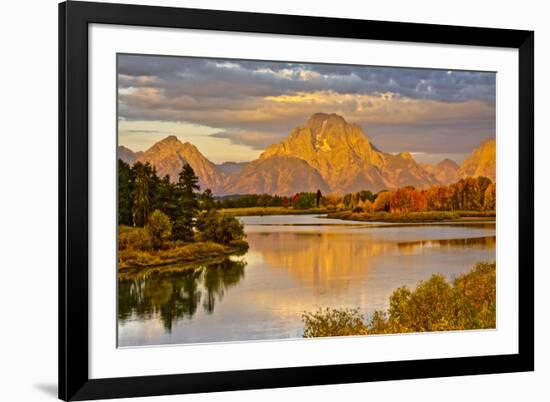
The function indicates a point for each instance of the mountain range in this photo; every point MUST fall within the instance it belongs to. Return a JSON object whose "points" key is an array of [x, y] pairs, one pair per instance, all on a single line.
{"points": [[328, 153]]}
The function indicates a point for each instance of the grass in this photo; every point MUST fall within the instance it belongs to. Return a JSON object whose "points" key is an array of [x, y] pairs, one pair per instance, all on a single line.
{"points": [[477, 214], [131, 258], [428, 216], [260, 211], [415, 217]]}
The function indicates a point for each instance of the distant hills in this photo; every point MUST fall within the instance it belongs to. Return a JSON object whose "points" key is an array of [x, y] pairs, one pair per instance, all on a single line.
{"points": [[127, 155], [328, 153], [445, 172]]}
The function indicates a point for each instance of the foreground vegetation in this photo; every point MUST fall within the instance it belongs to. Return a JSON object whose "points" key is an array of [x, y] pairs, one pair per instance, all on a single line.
{"points": [[468, 302]]}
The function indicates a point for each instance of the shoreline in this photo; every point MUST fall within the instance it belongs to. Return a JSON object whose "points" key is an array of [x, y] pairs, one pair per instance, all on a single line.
{"points": [[192, 253], [428, 217], [377, 217], [269, 211]]}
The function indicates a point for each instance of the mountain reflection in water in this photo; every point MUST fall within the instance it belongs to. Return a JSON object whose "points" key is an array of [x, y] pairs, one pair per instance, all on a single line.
{"points": [[479, 242]]}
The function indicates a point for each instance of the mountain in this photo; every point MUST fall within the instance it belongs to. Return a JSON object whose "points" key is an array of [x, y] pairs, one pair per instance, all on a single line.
{"points": [[445, 172], [282, 175], [127, 155], [170, 154], [345, 158], [328, 153], [230, 168], [481, 162]]}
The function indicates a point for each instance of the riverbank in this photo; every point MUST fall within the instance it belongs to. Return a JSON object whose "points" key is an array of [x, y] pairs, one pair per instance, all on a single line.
{"points": [[186, 253], [261, 211], [416, 217]]}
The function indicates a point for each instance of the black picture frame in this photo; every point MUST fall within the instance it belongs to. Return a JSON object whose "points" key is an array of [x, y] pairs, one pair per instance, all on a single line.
{"points": [[74, 18]]}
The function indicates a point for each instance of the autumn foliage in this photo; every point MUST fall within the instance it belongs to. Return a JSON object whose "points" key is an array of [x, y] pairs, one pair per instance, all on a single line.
{"points": [[468, 302], [468, 194]]}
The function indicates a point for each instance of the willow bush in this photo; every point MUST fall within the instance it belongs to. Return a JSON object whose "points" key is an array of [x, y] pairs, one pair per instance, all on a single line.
{"points": [[468, 302]]}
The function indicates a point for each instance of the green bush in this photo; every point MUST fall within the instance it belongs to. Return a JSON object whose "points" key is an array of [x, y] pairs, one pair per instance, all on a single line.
{"points": [[159, 228], [219, 228], [130, 238], [333, 322]]}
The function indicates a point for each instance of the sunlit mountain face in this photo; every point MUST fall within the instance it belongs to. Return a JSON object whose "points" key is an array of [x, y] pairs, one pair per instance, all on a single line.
{"points": [[326, 154]]}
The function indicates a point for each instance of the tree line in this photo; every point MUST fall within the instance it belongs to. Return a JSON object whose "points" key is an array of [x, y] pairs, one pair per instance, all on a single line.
{"points": [[303, 200], [468, 194], [171, 211]]}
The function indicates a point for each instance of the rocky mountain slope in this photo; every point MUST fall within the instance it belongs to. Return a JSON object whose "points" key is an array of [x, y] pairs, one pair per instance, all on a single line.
{"points": [[346, 159], [127, 155], [282, 175], [170, 154], [481, 162], [230, 168]]}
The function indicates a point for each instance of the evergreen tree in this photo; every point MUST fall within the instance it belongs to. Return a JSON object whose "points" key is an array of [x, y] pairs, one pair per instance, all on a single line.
{"points": [[125, 190], [166, 198], [141, 194], [187, 206], [207, 200]]}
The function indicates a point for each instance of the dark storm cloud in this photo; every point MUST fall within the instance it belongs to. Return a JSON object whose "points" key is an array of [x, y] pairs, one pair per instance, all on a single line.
{"points": [[233, 78]]}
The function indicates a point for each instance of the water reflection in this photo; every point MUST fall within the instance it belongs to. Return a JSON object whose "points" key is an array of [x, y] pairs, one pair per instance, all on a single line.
{"points": [[475, 242], [325, 261], [173, 293]]}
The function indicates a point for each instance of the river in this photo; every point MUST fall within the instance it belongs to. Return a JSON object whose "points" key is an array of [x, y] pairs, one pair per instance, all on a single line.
{"points": [[295, 263]]}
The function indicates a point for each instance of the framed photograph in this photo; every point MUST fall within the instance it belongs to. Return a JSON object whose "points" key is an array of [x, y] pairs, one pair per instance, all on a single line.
{"points": [[258, 201]]}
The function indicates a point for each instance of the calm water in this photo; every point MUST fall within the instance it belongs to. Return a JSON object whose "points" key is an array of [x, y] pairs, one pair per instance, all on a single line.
{"points": [[295, 263]]}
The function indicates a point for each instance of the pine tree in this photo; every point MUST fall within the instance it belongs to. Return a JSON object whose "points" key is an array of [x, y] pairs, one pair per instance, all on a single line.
{"points": [[125, 190], [187, 206], [141, 195], [166, 198], [207, 200]]}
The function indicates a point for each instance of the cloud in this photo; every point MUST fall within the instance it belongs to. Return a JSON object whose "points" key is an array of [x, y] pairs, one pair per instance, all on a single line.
{"points": [[254, 139], [256, 103], [234, 78]]}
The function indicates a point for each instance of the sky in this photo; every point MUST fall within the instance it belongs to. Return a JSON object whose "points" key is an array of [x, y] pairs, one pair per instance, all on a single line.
{"points": [[233, 109]]}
